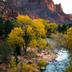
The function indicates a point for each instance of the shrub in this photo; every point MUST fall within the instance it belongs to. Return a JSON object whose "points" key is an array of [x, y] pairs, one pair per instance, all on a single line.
{"points": [[13, 65], [5, 52], [42, 63], [69, 38], [29, 68]]}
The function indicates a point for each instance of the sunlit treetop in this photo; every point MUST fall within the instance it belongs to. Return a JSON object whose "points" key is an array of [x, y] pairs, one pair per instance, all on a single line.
{"points": [[39, 23], [69, 31], [29, 33], [16, 36], [24, 19]]}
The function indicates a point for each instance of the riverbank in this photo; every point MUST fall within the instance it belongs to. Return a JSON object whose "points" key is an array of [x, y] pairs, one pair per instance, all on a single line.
{"points": [[46, 55], [60, 63], [38, 59]]}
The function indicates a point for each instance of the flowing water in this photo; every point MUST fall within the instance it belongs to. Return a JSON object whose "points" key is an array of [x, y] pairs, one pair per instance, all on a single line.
{"points": [[60, 63]]}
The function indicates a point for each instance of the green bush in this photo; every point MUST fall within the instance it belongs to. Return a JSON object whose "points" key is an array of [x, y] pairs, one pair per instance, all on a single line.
{"points": [[5, 52], [69, 69], [27, 67], [13, 65], [42, 63]]}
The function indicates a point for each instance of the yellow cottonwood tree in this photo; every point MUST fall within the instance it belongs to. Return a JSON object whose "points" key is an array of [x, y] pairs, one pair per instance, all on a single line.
{"points": [[30, 33], [40, 27], [26, 20], [41, 43], [16, 36], [52, 27], [69, 38]]}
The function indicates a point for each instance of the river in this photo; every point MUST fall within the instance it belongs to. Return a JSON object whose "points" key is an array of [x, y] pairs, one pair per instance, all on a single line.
{"points": [[60, 63]]}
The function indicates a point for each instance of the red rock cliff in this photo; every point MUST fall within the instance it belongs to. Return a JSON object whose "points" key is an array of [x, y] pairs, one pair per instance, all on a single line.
{"points": [[41, 8]]}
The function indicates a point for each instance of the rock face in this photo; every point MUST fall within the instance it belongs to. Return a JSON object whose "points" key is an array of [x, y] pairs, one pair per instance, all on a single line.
{"points": [[41, 8], [5, 11], [59, 9]]}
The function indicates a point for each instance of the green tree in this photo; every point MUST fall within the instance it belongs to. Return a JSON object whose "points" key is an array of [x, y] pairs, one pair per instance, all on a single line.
{"points": [[5, 52], [6, 26], [51, 28]]}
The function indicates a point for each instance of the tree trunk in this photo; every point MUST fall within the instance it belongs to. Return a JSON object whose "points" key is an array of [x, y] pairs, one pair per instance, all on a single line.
{"points": [[23, 51]]}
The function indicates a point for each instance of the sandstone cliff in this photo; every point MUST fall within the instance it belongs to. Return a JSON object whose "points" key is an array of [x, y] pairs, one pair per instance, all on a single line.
{"points": [[41, 8]]}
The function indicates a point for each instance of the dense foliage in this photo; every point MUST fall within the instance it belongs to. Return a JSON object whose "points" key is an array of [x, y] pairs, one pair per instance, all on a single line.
{"points": [[69, 38], [22, 38], [20, 34]]}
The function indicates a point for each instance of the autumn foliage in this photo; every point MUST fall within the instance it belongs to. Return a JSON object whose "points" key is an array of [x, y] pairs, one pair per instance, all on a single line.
{"points": [[69, 38]]}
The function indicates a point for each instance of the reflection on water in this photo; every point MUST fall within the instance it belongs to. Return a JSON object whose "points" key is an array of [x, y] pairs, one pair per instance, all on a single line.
{"points": [[60, 63], [62, 54]]}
